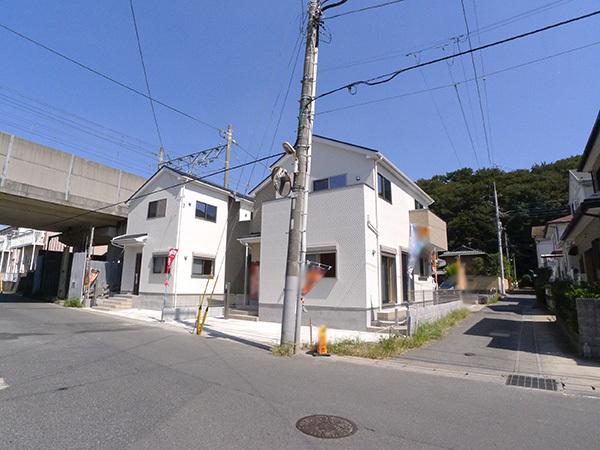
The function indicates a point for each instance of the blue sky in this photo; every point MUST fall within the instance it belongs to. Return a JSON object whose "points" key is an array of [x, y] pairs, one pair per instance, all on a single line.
{"points": [[230, 61]]}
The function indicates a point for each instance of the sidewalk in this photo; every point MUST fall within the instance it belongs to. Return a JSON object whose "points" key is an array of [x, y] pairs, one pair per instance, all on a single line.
{"points": [[264, 334], [510, 337]]}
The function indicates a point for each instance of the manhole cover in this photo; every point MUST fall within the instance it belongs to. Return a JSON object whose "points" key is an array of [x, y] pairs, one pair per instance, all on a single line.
{"points": [[326, 427], [469, 354], [547, 384]]}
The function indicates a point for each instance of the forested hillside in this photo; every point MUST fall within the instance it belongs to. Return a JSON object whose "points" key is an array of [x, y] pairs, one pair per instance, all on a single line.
{"points": [[464, 199]]}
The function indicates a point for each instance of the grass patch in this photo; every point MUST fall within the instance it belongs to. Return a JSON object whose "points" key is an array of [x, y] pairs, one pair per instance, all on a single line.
{"points": [[395, 345], [493, 299], [283, 350], [72, 303]]}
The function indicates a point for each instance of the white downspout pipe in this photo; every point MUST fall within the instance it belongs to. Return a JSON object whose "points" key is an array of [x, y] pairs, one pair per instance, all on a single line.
{"points": [[376, 158]]}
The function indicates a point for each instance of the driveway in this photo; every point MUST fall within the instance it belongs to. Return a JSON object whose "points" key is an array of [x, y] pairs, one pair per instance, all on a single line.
{"points": [[510, 337]]}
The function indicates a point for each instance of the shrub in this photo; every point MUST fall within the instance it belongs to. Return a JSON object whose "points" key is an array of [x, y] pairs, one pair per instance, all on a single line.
{"points": [[565, 294], [526, 281], [73, 303]]}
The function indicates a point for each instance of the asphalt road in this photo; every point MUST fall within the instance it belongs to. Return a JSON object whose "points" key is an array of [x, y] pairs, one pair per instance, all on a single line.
{"points": [[78, 379]]}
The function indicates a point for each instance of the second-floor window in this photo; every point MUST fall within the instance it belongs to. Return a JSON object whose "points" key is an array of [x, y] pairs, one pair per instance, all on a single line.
{"points": [[329, 183], [206, 212], [384, 188], [157, 208]]}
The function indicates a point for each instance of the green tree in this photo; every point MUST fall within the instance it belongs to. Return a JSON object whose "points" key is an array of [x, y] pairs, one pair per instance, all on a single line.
{"points": [[463, 198]]}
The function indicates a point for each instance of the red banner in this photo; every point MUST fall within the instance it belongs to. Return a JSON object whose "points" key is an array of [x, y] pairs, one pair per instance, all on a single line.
{"points": [[170, 259]]}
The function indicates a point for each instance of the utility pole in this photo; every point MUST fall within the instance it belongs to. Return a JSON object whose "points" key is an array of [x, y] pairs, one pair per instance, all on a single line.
{"points": [[161, 157], [296, 253], [229, 138], [88, 268], [499, 229]]}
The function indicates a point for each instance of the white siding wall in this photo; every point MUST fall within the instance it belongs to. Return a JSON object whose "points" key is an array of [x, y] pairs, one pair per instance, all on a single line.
{"points": [[201, 238], [337, 220]]}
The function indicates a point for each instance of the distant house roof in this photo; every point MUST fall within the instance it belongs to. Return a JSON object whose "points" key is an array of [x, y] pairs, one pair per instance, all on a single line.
{"points": [[564, 219], [590, 143], [464, 250]]}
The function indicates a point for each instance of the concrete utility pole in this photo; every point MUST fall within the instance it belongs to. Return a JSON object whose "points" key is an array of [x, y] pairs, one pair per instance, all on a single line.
{"points": [[296, 253], [161, 157], [88, 268], [500, 253], [229, 138]]}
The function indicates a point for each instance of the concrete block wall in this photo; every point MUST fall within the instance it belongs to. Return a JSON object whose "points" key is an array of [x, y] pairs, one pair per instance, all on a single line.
{"points": [[588, 319]]}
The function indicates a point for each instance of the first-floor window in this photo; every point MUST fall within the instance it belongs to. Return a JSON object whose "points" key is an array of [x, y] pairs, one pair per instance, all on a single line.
{"points": [[327, 258], [203, 267], [159, 264]]}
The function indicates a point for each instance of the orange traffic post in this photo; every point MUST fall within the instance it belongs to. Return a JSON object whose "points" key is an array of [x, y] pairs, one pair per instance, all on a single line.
{"points": [[322, 341]]}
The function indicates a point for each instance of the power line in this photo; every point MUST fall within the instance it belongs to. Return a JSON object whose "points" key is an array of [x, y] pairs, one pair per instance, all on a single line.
{"points": [[441, 117], [441, 44], [293, 60], [139, 45], [44, 114], [436, 88], [387, 77], [366, 8], [136, 142], [183, 183], [108, 77], [462, 110], [487, 143]]}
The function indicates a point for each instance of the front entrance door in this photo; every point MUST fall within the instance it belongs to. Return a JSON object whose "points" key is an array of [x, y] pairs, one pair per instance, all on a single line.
{"points": [[405, 276], [136, 274], [388, 279]]}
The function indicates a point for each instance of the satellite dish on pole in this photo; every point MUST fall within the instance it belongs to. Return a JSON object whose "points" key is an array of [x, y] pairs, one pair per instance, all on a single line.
{"points": [[282, 182]]}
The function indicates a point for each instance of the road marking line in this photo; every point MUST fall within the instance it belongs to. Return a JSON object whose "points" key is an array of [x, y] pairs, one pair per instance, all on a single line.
{"points": [[3, 384]]}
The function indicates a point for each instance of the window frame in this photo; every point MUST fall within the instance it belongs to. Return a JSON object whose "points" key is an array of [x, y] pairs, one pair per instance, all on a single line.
{"points": [[160, 201], [382, 184], [203, 259], [156, 256], [331, 273], [206, 208], [329, 184]]}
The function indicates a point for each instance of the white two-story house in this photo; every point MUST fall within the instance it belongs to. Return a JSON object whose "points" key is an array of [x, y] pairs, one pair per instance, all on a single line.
{"points": [[360, 209], [174, 210]]}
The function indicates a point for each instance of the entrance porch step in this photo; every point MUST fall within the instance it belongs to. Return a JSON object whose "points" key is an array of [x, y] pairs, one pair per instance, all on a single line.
{"points": [[391, 314], [244, 311], [243, 317]]}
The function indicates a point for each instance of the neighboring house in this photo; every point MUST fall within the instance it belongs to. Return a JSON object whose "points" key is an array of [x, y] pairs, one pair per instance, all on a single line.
{"points": [[20, 252], [473, 279], [554, 257], [582, 236], [360, 211], [198, 218]]}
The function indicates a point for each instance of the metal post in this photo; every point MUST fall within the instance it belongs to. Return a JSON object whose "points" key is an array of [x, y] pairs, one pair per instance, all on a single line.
{"points": [[226, 300], [499, 229], [161, 157], [229, 138], [88, 266], [246, 274], [297, 227]]}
